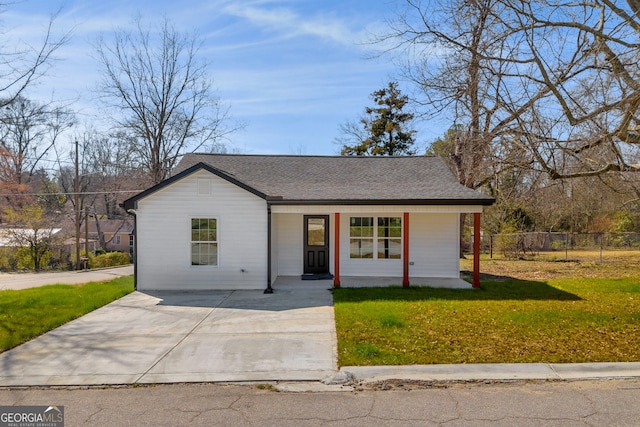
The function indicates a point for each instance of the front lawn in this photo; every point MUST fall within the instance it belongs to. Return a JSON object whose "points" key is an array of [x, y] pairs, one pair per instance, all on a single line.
{"points": [[27, 313], [560, 319]]}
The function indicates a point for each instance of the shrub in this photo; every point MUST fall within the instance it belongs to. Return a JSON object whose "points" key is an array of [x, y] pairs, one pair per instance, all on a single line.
{"points": [[558, 245], [7, 259], [109, 259]]}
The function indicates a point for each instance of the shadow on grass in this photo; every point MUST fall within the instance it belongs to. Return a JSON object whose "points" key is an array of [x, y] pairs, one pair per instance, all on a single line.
{"points": [[505, 288]]}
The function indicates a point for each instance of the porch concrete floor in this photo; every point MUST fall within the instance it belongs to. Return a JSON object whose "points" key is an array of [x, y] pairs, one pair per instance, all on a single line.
{"points": [[374, 282]]}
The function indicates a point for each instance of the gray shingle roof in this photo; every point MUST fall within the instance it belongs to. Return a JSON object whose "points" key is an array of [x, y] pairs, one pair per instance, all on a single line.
{"points": [[325, 179]]}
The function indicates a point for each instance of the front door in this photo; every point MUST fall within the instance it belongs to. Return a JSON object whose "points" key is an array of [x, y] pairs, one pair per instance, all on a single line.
{"points": [[316, 244]]}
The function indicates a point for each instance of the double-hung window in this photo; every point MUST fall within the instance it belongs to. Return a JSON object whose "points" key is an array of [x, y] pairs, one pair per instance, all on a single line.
{"points": [[389, 237], [361, 237], [204, 241], [375, 237]]}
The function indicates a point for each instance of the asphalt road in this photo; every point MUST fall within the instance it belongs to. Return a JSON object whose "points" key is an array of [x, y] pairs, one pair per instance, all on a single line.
{"points": [[577, 403], [30, 280]]}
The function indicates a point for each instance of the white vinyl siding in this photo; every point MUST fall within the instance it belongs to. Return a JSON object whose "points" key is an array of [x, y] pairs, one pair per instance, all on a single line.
{"points": [[434, 245], [287, 243], [164, 238]]}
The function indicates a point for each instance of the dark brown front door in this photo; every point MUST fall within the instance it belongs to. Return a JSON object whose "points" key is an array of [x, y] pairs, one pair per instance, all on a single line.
{"points": [[316, 244]]}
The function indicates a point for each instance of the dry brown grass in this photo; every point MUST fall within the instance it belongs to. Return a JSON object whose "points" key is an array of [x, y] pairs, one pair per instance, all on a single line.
{"points": [[554, 265]]}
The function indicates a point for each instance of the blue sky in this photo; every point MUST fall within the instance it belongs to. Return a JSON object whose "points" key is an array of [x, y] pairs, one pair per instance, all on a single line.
{"points": [[292, 71]]}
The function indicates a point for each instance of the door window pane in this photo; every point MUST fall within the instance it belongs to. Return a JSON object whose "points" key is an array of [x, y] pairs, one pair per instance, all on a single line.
{"points": [[316, 232]]}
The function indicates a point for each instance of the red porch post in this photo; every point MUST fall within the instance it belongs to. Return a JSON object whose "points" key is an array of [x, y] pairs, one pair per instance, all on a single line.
{"points": [[336, 251], [476, 250], [405, 251]]}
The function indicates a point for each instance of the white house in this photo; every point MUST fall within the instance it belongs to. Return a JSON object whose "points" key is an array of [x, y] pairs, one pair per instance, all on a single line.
{"points": [[12, 237], [244, 221]]}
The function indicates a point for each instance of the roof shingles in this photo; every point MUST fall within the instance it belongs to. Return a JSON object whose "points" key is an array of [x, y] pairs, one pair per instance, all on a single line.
{"points": [[420, 179]]}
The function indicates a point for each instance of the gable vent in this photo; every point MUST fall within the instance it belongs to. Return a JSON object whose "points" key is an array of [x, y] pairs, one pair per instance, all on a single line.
{"points": [[204, 187]]}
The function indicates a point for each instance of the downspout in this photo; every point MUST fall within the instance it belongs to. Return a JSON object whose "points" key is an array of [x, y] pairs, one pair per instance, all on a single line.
{"points": [[476, 250], [269, 289], [133, 213], [405, 254]]}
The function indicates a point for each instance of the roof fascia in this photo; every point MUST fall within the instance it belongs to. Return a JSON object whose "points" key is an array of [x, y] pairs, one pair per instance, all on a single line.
{"points": [[385, 202]]}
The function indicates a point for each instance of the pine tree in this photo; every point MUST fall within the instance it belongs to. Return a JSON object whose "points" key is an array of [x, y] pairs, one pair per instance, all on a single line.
{"points": [[385, 126]]}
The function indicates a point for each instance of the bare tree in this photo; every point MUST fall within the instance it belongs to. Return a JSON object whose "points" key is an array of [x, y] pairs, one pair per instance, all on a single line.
{"points": [[164, 94], [558, 82], [21, 65], [28, 132], [586, 54], [453, 52], [114, 171]]}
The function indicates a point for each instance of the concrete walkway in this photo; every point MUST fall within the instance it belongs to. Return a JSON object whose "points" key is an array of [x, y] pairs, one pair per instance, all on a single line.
{"points": [[18, 281], [166, 337]]}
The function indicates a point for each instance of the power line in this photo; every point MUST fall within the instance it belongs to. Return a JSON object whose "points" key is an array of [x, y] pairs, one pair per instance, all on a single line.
{"points": [[86, 193]]}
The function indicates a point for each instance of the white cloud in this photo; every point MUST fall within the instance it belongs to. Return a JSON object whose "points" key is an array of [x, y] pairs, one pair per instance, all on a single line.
{"points": [[284, 20], [285, 67]]}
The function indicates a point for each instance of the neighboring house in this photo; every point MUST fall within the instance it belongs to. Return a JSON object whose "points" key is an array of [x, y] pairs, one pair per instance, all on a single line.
{"points": [[19, 237], [242, 221], [117, 234]]}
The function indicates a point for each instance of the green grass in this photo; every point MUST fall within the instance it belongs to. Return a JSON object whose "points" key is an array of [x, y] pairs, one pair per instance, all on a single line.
{"points": [[27, 313], [560, 320]]}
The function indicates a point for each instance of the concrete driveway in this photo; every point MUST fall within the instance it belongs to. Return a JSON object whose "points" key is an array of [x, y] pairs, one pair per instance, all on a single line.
{"points": [[168, 337]]}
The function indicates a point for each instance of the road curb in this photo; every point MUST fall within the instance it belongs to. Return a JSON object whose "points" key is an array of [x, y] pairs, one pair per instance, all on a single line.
{"points": [[495, 371]]}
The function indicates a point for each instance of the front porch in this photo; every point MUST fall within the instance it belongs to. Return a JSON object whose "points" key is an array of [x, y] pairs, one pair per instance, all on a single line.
{"points": [[426, 251], [373, 282]]}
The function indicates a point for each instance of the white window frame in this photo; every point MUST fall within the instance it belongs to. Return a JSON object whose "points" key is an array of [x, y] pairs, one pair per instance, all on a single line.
{"points": [[361, 238], [216, 241], [376, 238]]}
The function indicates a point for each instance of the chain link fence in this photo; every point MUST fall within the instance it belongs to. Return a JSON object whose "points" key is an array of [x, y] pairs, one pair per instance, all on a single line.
{"points": [[567, 245]]}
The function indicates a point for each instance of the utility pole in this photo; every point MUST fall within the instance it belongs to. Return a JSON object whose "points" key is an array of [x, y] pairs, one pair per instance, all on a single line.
{"points": [[76, 209], [86, 236]]}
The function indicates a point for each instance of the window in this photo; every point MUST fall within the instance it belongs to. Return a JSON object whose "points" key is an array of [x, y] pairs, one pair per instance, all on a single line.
{"points": [[116, 239], [204, 241], [361, 237], [386, 237], [389, 237]]}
